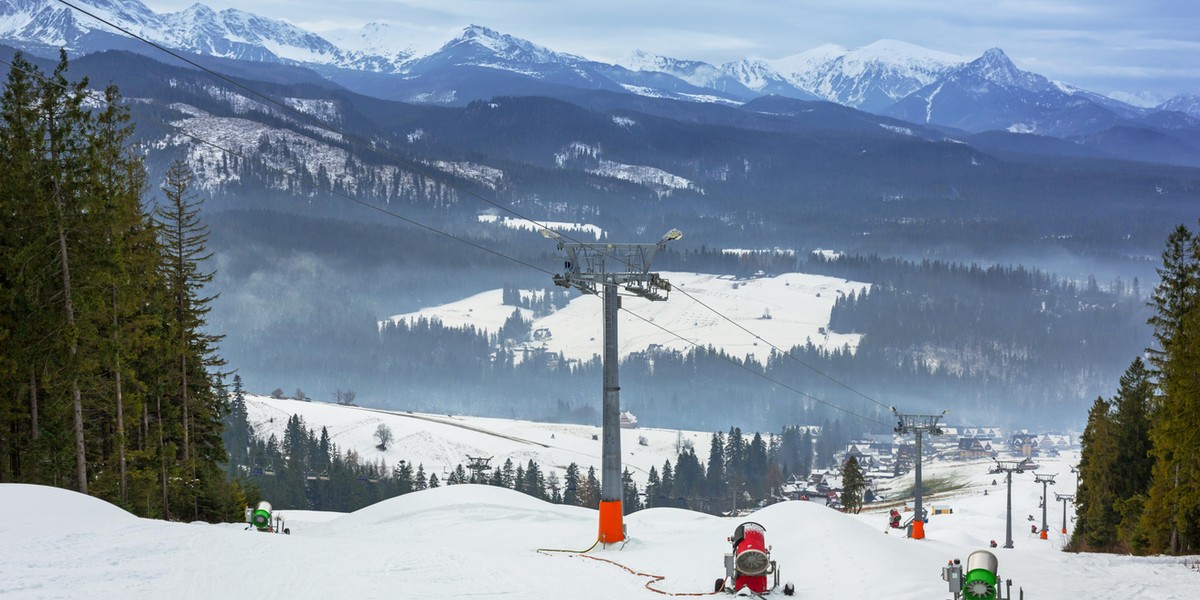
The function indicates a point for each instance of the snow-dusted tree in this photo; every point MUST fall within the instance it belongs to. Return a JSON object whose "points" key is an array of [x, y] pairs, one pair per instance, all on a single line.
{"points": [[383, 434]]}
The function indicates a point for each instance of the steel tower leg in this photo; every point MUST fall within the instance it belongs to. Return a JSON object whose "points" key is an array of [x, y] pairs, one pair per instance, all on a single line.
{"points": [[612, 527]]}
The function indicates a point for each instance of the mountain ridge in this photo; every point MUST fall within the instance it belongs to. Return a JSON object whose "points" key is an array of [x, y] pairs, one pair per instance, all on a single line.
{"points": [[872, 77]]}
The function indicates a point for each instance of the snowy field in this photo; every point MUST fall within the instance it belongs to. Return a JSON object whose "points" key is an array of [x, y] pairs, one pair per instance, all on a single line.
{"points": [[440, 442], [471, 541], [785, 310]]}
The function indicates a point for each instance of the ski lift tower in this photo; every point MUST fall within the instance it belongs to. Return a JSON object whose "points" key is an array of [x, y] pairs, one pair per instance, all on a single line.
{"points": [[918, 424], [592, 268], [1064, 498], [1045, 480], [1009, 467], [478, 466]]}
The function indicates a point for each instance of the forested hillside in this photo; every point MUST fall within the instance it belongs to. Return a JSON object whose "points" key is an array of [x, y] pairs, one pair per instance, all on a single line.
{"points": [[109, 375], [1139, 487]]}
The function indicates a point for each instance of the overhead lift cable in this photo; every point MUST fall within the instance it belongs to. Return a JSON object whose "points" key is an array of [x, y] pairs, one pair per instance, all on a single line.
{"points": [[421, 169]]}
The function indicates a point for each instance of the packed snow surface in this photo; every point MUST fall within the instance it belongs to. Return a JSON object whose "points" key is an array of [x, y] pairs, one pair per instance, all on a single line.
{"points": [[470, 541]]}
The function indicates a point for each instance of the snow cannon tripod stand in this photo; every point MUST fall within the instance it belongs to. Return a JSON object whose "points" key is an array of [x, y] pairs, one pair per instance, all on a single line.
{"points": [[749, 564]]}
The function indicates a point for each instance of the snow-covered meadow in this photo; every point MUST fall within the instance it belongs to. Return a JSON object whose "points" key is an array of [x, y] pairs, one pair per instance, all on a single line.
{"points": [[784, 311]]}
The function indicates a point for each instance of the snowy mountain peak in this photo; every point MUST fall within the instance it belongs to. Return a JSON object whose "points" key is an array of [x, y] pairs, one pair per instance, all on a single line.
{"points": [[896, 52], [871, 77], [996, 67], [1184, 103], [995, 58], [753, 73], [479, 32], [641, 60], [376, 38], [506, 47]]}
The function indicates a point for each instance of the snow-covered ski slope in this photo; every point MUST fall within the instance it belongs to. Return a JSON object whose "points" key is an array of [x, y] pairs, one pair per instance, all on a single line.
{"points": [[785, 310], [470, 541]]}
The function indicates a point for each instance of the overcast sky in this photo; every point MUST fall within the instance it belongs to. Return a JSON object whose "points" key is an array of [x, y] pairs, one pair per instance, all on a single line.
{"points": [[1118, 47]]}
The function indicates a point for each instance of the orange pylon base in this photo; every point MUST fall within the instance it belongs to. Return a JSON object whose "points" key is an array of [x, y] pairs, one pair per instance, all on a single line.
{"points": [[612, 529], [1043, 534], [918, 532]]}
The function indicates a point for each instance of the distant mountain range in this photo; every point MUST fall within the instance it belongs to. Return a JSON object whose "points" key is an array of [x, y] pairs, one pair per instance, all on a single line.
{"points": [[887, 77]]}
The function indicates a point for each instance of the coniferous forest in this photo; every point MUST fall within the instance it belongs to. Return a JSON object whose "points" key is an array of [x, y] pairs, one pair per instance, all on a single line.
{"points": [[1139, 488], [111, 384]]}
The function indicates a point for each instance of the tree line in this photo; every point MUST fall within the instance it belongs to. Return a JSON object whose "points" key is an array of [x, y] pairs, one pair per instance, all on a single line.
{"points": [[1139, 470], [110, 379], [306, 470]]}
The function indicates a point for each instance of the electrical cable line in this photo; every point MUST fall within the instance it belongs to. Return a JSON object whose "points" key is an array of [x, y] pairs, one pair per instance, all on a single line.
{"points": [[762, 375], [433, 175], [435, 230], [421, 169], [777, 348]]}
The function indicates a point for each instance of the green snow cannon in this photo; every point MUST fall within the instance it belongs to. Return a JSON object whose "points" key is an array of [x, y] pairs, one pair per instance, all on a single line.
{"points": [[980, 582], [261, 519]]}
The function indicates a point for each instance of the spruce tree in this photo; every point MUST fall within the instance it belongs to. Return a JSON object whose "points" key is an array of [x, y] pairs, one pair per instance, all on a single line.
{"points": [[1171, 515], [190, 383], [716, 484], [1131, 418], [571, 484], [630, 501], [653, 488], [854, 484], [1096, 524]]}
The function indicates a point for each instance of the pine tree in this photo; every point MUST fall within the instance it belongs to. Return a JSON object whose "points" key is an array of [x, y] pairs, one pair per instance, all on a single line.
{"points": [[854, 484], [630, 502], [1171, 514], [1132, 421], [1094, 503], [571, 486], [192, 349], [239, 433], [668, 485], [716, 484], [589, 490], [60, 106], [535, 482], [421, 482], [653, 489], [26, 254], [508, 477]]}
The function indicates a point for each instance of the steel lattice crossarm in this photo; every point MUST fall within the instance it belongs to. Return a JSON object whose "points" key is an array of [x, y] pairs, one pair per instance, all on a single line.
{"points": [[908, 423], [1009, 466], [589, 266]]}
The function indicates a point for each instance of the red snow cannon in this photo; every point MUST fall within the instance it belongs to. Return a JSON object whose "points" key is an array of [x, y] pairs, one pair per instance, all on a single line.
{"points": [[747, 567]]}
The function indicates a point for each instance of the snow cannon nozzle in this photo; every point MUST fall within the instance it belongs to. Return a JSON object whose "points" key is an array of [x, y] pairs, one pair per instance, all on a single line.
{"points": [[749, 563], [261, 518], [977, 580]]}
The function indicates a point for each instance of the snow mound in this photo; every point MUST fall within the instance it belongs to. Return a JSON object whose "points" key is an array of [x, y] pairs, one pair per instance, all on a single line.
{"points": [[42, 505]]}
